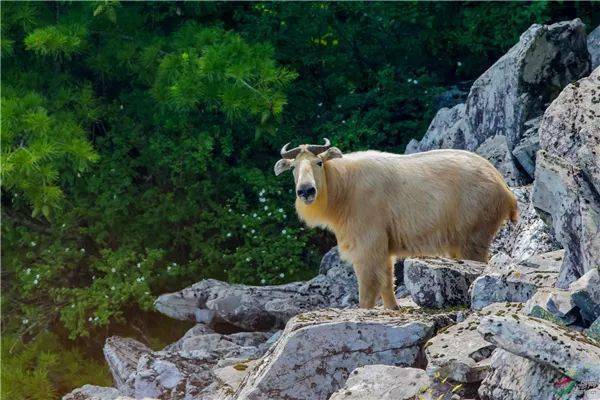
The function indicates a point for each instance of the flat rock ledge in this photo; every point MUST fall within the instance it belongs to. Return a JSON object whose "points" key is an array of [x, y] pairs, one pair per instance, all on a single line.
{"points": [[568, 352], [318, 350]]}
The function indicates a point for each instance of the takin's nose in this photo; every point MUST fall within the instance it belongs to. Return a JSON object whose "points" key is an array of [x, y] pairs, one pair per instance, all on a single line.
{"points": [[306, 192]]}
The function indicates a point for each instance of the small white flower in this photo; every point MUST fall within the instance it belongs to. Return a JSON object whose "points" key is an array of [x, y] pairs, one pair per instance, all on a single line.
{"points": [[72, 305], [28, 271], [243, 226], [113, 270], [459, 64], [35, 281], [248, 259], [228, 234], [252, 231], [146, 292], [63, 225], [93, 277], [67, 249], [262, 199], [37, 276], [169, 268], [230, 210], [114, 196], [409, 80], [254, 215], [25, 321], [415, 81], [283, 232], [138, 265], [174, 264], [82, 250], [78, 175], [269, 214], [344, 121], [90, 319], [263, 281], [33, 244], [281, 275], [284, 216], [266, 208], [280, 210], [112, 288], [121, 106]]}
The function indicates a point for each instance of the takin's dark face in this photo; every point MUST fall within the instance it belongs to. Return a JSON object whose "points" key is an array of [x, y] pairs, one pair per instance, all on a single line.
{"points": [[309, 172]]}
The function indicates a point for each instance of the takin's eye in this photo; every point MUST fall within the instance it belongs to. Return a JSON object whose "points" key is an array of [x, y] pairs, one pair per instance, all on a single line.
{"points": [[320, 163]]}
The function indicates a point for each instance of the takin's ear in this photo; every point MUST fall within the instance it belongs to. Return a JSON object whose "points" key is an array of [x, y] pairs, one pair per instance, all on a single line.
{"points": [[282, 165], [331, 153]]}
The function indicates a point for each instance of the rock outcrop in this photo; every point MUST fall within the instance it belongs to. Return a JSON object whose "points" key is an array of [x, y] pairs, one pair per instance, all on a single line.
{"points": [[318, 350], [263, 307], [568, 352], [567, 178], [506, 100], [516, 281]]}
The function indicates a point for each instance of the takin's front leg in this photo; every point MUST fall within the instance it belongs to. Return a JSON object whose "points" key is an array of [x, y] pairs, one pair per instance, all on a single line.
{"points": [[375, 277]]}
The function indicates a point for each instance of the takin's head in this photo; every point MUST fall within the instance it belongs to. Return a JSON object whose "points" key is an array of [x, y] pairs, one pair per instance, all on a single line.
{"points": [[307, 160]]}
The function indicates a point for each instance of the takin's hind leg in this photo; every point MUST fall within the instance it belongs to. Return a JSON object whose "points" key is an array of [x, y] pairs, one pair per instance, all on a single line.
{"points": [[386, 279], [478, 244]]}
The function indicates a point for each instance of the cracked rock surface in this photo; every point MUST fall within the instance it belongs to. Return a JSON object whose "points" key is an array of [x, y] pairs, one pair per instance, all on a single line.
{"points": [[318, 350]]}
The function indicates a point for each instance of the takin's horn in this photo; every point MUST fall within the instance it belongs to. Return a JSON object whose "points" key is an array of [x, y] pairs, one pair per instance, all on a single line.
{"points": [[318, 149], [289, 154]]}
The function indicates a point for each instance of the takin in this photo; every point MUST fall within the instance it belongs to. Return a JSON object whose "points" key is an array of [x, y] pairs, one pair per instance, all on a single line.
{"points": [[383, 206]]}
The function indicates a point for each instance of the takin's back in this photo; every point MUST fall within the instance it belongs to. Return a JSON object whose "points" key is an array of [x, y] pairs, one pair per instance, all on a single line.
{"points": [[432, 203]]}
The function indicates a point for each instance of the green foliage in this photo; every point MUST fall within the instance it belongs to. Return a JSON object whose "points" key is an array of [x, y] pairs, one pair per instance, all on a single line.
{"points": [[43, 368], [139, 138]]}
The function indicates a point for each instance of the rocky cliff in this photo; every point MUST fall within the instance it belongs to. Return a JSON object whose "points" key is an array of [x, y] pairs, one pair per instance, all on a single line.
{"points": [[526, 325]]}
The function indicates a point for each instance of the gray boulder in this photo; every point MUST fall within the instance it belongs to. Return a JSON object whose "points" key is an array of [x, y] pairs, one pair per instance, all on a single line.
{"points": [[528, 237], [520, 84], [568, 352], [529, 143], [459, 353], [593, 44], [495, 149], [567, 177], [514, 90], [91, 392], [447, 130], [440, 282], [318, 350], [384, 382], [517, 282], [585, 293], [262, 307], [516, 378]]}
